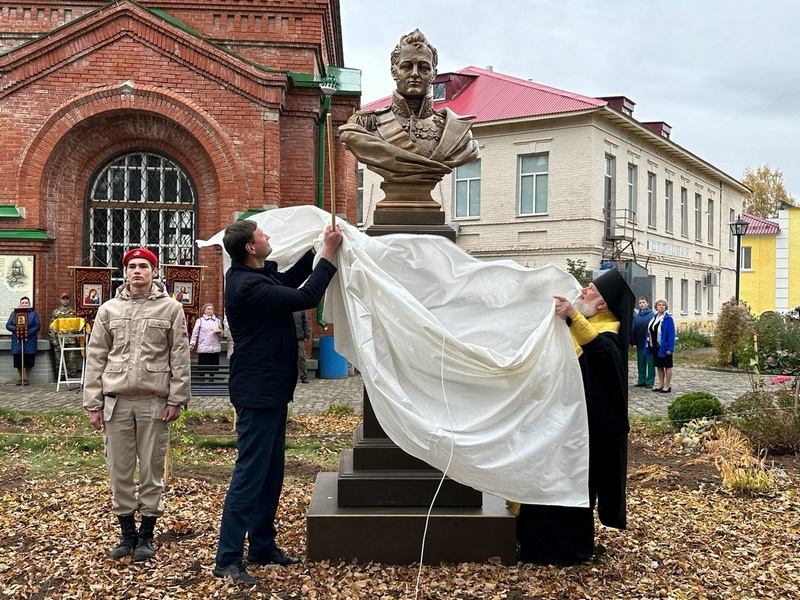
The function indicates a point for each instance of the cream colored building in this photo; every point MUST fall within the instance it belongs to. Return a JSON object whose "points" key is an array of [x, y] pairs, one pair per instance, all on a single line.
{"points": [[564, 176]]}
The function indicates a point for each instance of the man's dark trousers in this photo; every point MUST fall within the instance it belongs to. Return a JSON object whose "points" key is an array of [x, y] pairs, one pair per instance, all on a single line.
{"points": [[255, 488]]}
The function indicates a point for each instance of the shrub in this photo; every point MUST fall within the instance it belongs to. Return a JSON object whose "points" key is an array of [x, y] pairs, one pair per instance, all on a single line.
{"points": [[769, 419], [732, 333], [778, 343], [691, 339], [694, 405]]}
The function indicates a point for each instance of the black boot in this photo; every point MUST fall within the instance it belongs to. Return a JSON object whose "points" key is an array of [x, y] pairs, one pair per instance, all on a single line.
{"points": [[128, 541], [144, 549]]}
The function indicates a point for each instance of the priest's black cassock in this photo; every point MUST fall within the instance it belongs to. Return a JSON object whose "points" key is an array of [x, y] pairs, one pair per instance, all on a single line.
{"points": [[560, 535]]}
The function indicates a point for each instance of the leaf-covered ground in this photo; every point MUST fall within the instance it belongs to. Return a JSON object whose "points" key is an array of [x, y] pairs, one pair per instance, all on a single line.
{"points": [[687, 537]]}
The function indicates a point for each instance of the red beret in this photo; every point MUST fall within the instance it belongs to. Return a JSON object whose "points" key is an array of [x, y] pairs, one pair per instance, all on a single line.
{"points": [[140, 253]]}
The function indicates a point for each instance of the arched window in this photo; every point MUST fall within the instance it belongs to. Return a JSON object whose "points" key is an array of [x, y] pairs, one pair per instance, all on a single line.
{"points": [[141, 198]]}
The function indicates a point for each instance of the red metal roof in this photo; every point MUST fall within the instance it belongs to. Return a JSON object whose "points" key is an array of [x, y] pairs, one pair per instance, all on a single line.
{"points": [[492, 96], [759, 226]]}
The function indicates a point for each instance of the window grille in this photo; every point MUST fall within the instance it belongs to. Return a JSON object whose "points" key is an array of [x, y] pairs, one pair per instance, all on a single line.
{"points": [[141, 199]]}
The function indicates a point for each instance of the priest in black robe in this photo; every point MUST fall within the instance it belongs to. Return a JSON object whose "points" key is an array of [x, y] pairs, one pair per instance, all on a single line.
{"points": [[599, 321]]}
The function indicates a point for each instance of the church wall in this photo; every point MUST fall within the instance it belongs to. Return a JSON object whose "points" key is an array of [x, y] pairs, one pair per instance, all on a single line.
{"points": [[278, 34], [246, 137]]}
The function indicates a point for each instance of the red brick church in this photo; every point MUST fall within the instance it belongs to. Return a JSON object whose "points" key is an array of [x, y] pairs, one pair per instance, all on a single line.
{"points": [[158, 123]]}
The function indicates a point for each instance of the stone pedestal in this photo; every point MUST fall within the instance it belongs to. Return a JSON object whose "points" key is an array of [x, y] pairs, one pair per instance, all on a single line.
{"points": [[394, 535], [375, 509]]}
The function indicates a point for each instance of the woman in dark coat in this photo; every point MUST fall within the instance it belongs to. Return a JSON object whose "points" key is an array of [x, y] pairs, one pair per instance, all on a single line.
{"points": [[26, 348]]}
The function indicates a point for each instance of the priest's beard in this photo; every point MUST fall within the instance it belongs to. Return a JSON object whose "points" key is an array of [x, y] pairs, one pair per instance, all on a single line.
{"points": [[587, 309]]}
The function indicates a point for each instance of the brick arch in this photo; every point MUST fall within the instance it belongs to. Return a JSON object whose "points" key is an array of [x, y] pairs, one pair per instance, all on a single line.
{"points": [[56, 165]]}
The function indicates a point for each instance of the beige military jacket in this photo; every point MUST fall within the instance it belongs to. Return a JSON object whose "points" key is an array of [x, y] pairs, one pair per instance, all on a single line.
{"points": [[138, 346]]}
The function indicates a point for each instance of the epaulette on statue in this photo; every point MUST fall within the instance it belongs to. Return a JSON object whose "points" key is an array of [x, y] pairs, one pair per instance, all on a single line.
{"points": [[368, 119]]}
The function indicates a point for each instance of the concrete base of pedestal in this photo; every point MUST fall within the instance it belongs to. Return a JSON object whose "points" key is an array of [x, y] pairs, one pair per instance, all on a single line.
{"points": [[393, 535]]}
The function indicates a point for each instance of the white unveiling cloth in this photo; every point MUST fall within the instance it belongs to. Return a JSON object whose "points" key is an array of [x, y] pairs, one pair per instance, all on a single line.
{"points": [[456, 354]]}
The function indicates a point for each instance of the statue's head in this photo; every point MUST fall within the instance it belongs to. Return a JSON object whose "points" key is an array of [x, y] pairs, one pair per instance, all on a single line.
{"points": [[414, 62]]}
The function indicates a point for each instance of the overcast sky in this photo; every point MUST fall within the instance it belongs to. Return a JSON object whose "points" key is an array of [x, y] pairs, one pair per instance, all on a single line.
{"points": [[725, 74]]}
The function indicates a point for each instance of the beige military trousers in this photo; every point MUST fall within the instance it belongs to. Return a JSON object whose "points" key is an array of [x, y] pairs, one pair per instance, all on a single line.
{"points": [[134, 430]]}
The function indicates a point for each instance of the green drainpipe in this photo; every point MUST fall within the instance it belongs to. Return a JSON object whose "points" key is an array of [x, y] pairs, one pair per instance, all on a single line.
{"points": [[326, 105]]}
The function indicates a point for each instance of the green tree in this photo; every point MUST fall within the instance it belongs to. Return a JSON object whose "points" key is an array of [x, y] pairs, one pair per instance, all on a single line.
{"points": [[577, 268], [768, 191]]}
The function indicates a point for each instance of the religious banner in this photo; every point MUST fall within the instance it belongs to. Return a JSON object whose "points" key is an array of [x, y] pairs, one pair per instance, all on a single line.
{"points": [[16, 281], [183, 284], [92, 288], [21, 323]]}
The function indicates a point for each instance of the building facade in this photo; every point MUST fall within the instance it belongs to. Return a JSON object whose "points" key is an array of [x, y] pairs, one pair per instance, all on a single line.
{"points": [[770, 262], [124, 124], [568, 177]]}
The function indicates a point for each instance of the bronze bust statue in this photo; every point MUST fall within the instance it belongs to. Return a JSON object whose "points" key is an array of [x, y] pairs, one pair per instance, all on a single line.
{"points": [[409, 143]]}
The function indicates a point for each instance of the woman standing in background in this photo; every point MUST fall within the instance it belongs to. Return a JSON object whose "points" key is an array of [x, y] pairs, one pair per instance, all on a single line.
{"points": [[26, 347], [206, 337], [661, 344]]}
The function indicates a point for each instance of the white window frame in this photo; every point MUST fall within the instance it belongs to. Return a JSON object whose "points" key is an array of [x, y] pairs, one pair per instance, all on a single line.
{"points": [[698, 297], [698, 217], [652, 181], [747, 258], [360, 196], [668, 290], [470, 182], [684, 212], [633, 191], [538, 177], [710, 205], [684, 296], [731, 219], [609, 181], [668, 205]]}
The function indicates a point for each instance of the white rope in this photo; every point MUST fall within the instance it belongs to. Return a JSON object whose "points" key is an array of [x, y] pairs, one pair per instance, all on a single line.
{"points": [[444, 474]]}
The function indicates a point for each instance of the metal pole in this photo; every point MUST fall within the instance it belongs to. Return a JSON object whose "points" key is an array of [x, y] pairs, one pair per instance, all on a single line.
{"points": [[331, 163], [738, 263], [735, 362]]}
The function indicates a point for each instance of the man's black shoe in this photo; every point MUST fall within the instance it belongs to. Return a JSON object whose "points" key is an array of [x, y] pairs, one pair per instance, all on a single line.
{"points": [[237, 573], [304, 379], [276, 557]]}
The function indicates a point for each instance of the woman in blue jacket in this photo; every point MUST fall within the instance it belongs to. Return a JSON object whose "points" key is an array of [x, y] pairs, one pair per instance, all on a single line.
{"points": [[661, 344], [28, 346]]}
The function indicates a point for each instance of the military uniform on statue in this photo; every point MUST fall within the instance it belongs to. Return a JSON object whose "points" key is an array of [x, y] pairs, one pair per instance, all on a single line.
{"points": [[401, 145]]}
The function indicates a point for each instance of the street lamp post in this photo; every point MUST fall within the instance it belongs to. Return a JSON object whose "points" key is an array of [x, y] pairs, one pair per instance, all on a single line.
{"points": [[738, 229]]}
